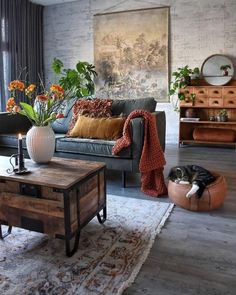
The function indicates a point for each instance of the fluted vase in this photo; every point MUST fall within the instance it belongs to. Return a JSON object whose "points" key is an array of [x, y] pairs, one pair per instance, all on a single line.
{"points": [[40, 142]]}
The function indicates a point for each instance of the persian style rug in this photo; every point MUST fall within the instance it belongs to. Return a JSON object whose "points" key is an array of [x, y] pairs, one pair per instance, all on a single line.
{"points": [[107, 261]]}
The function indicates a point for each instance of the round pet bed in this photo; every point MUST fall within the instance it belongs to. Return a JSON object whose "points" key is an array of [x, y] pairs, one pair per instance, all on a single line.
{"points": [[212, 198]]}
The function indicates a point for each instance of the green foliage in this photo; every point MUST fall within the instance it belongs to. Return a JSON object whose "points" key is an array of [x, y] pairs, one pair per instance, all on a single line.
{"points": [[77, 82], [223, 113], [225, 67], [28, 111], [181, 79]]}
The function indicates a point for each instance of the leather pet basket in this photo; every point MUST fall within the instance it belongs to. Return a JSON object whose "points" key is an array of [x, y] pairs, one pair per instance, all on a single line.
{"points": [[212, 198]]}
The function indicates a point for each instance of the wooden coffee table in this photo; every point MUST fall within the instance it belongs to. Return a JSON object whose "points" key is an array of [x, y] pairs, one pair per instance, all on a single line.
{"points": [[58, 198]]}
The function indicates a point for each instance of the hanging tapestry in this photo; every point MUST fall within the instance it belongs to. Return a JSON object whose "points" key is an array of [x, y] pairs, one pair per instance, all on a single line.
{"points": [[131, 54]]}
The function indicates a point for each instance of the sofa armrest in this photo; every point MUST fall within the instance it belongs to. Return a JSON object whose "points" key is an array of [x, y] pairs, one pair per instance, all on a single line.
{"points": [[137, 136], [137, 133], [13, 123], [161, 127]]}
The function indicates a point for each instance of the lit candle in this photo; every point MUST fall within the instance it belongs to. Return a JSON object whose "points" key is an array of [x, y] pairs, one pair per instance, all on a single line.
{"points": [[20, 152]]}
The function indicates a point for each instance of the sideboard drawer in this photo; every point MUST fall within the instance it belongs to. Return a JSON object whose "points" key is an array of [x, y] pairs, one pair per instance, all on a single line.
{"points": [[184, 103], [201, 102], [229, 92], [215, 102], [200, 91], [230, 102], [187, 102], [215, 92]]}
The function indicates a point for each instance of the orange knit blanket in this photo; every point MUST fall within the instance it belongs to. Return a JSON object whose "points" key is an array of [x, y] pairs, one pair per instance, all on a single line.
{"points": [[152, 159]]}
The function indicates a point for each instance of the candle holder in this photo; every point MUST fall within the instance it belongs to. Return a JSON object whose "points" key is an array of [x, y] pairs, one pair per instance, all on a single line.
{"points": [[18, 164]]}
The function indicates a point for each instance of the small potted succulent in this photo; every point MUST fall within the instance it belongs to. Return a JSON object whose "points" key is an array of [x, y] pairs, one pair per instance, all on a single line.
{"points": [[225, 69], [222, 116]]}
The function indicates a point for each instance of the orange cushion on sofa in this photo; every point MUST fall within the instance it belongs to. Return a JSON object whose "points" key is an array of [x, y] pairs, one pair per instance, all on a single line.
{"points": [[96, 108], [101, 128], [213, 134]]}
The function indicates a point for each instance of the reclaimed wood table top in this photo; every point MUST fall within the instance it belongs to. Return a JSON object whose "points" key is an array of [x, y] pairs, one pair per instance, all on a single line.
{"points": [[60, 173]]}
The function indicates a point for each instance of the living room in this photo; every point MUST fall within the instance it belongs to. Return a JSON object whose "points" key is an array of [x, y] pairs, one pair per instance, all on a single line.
{"points": [[177, 250]]}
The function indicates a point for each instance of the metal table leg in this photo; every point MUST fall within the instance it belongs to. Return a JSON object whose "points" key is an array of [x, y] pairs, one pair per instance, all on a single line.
{"points": [[4, 235], [102, 219]]}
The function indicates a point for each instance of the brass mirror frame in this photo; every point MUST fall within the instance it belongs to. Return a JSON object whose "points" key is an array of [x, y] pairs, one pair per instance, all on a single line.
{"points": [[217, 78]]}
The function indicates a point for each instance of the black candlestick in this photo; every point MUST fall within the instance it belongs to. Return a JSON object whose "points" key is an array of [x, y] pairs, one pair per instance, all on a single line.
{"points": [[20, 153]]}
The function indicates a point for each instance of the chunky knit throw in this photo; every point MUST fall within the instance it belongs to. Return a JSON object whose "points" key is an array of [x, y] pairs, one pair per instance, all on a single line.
{"points": [[152, 159]]}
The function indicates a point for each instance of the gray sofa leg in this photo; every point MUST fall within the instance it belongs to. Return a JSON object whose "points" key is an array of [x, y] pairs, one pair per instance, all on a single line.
{"points": [[124, 178]]}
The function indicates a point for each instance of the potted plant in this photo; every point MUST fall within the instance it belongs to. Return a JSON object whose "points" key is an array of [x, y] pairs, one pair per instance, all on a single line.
{"points": [[224, 69], [76, 82], [182, 79], [222, 116]]}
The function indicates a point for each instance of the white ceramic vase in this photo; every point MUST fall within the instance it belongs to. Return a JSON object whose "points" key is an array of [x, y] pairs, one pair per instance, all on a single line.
{"points": [[40, 142]]}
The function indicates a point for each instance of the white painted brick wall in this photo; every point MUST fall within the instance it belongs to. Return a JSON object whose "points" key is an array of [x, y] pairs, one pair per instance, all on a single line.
{"points": [[198, 28]]}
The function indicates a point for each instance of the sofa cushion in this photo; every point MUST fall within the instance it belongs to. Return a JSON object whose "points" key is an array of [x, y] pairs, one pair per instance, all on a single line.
{"points": [[101, 128], [126, 106], [62, 125], [11, 140], [95, 147], [97, 108]]}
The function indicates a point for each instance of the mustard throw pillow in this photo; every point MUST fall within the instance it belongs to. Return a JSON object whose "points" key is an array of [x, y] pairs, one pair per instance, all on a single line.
{"points": [[101, 128]]}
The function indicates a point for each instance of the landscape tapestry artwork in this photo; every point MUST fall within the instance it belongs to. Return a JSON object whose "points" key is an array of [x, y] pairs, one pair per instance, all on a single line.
{"points": [[131, 54]]}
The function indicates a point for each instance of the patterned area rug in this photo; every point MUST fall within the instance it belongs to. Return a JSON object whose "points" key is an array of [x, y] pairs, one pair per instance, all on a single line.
{"points": [[108, 260]]}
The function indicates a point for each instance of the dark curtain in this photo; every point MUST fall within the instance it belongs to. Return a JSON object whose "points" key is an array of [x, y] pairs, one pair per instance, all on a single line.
{"points": [[21, 44]]}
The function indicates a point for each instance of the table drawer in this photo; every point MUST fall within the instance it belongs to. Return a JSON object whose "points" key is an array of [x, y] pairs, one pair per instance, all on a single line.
{"points": [[201, 102], [230, 102], [215, 92], [9, 186], [229, 91], [215, 102], [35, 214]]}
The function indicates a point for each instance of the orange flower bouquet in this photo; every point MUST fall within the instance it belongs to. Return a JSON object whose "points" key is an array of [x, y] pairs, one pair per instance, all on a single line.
{"points": [[43, 108]]}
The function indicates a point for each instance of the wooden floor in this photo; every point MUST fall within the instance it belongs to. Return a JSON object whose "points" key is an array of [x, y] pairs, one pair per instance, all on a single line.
{"points": [[195, 252]]}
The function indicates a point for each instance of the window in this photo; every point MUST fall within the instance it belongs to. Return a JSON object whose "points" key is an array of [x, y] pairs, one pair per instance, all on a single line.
{"points": [[5, 69]]}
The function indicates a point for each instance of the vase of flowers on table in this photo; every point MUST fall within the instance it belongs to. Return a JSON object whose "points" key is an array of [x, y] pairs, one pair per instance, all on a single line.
{"points": [[43, 108]]}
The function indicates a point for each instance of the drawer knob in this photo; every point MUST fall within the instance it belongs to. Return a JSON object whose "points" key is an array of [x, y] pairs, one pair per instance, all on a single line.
{"points": [[216, 91], [230, 102], [201, 91], [215, 102], [231, 92]]}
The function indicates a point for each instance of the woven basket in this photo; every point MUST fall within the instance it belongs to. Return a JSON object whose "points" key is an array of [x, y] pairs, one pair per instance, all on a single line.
{"points": [[212, 198]]}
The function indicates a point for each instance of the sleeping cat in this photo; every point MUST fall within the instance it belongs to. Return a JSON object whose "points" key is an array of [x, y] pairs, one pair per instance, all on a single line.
{"points": [[198, 176]]}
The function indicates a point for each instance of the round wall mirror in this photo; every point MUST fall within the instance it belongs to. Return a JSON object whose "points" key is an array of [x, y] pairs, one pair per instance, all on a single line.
{"points": [[217, 69]]}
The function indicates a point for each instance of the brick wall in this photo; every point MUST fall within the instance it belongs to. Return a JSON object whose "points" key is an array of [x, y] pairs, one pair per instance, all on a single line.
{"points": [[198, 28]]}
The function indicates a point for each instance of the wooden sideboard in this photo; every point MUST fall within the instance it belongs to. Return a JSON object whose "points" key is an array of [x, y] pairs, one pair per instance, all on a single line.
{"points": [[206, 102]]}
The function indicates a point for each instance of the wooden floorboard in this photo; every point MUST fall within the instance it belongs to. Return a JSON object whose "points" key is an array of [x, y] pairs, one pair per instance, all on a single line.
{"points": [[195, 254]]}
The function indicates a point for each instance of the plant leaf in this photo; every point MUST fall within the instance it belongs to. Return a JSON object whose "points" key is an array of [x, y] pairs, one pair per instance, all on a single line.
{"points": [[28, 111], [57, 65]]}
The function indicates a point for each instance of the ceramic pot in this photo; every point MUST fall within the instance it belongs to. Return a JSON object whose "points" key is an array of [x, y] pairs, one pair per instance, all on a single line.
{"points": [[225, 73], [222, 118], [190, 113], [40, 142]]}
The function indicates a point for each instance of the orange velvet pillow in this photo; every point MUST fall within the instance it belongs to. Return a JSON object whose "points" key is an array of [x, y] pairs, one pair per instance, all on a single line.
{"points": [[101, 128], [213, 134], [97, 108]]}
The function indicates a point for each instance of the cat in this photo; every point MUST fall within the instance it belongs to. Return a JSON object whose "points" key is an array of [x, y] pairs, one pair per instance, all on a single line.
{"points": [[198, 176]]}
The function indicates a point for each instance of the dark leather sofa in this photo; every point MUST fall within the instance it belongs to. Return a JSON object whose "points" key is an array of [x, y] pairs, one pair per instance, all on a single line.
{"points": [[86, 148]]}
